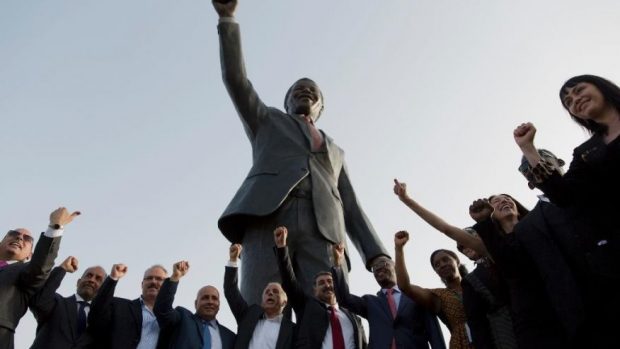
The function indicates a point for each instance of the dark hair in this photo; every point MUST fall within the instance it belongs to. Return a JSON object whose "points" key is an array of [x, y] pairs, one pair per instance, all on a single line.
{"points": [[609, 90], [462, 268], [460, 247], [319, 274], [521, 210], [290, 89]]}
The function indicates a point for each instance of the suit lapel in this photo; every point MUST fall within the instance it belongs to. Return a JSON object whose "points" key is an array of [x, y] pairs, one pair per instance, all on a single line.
{"points": [[384, 304], [303, 129], [136, 312], [198, 324], [356, 334], [286, 329], [70, 304]]}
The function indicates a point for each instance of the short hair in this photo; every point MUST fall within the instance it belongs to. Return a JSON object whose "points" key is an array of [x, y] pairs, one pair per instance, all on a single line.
{"points": [[105, 274], [319, 274], [609, 90], [460, 247], [290, 89], [159, 266]]}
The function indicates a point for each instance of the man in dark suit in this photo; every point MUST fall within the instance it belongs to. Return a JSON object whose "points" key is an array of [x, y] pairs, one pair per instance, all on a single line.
{"points": [[118, 323], [395, 321], [199, 330], [19, 279], [61, 321], [322, 323], [259, 326], [298, 178]]}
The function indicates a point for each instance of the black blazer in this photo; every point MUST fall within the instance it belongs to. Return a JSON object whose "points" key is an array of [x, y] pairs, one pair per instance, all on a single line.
{"points": [[19, 282], [116, 323], [312, 314], [544, 296], [56, 315], [247, 316], [413, 327], [184, 327]]}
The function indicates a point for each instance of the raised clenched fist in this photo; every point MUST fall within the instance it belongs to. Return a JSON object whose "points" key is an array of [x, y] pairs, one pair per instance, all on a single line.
{"points": [[401, 238], [70, 264], [118, 271], [279, 235]]}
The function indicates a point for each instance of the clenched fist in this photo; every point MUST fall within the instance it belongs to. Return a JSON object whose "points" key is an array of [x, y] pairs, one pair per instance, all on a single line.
{"points": [[234, 252], [118, 271], [279, 235], [179, 269], [70, 264], [401, 238]]}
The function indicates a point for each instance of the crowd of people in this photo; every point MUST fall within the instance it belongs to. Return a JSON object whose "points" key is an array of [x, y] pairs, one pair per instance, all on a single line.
{"points": [[544, 277]]}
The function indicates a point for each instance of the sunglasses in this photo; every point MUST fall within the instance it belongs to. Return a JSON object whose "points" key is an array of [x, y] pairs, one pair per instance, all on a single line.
{"points": [[16, 234], [380, 265]]}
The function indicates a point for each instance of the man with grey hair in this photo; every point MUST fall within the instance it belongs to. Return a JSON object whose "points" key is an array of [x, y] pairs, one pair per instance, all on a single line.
{"points": [[119, 323], [61, 321], [298, 178], [259, 326]]}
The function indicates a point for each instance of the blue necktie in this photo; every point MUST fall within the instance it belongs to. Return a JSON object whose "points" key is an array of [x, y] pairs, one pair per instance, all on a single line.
{"points": [[206, 336], [81, 319]]}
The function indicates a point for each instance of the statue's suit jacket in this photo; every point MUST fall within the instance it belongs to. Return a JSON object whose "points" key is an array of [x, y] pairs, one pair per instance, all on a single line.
{"points": [[20, 281], [282, 157]]}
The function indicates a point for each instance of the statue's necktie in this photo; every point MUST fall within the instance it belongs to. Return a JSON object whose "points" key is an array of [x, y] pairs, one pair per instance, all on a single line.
{"points": [[315, 134]]}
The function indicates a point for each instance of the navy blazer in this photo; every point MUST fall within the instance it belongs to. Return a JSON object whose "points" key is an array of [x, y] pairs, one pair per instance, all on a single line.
{"points": [[413, 327], [56, 315], [19, 282], [184, 327]]}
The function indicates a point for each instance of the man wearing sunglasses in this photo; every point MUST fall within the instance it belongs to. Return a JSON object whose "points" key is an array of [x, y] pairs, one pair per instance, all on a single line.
{"points": [[20, 278]]}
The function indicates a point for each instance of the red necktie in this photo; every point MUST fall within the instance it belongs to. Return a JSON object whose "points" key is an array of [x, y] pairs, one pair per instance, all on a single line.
{"points": [[392, 304], [317, 138], [3, 264], [337, 337]]}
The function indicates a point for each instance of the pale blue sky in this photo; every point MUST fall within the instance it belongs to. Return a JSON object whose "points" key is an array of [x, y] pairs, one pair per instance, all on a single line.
{"points": [[117, 108]]}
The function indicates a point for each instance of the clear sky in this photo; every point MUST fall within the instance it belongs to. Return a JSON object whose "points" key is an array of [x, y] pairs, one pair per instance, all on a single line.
{"points": [[117, 108]]}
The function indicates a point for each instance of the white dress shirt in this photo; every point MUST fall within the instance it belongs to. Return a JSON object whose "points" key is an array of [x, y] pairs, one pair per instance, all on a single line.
{"points": [[347, 330], [266, 333]]}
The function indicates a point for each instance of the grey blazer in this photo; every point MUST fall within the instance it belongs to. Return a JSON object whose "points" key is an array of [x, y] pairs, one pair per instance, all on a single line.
{"points": [[20, 281], [282, 157]]}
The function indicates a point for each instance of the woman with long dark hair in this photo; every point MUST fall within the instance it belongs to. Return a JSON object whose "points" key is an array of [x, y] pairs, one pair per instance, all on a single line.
{"points": [[592, 182], [447, 302], [590, 189]]}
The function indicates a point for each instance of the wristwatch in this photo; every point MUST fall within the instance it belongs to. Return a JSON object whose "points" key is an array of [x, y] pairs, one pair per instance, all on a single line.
{"points": [[56, 226]]}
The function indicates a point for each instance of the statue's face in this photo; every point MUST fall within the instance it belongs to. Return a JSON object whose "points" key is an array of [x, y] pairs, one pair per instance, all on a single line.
{"points": [[304, 98]]}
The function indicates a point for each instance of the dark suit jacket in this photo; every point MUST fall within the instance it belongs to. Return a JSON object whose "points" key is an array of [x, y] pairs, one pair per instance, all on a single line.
{"points": [[282, 157], [247, 316], [116, 323], [20, 281], [184, 327], [56, 315], [312, 314], [413, 327], [544, 295]]}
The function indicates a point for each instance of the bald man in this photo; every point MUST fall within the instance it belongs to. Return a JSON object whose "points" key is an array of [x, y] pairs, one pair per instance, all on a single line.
{"points": [[20, 278], [199, 330], [61, 321]]}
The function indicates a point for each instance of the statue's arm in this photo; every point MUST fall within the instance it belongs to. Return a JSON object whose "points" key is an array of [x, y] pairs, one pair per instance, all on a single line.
{"points": [[247, 102], [358, 226]]}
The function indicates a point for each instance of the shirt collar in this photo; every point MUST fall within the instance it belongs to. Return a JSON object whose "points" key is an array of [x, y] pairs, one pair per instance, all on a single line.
{"points": [[395, 289], [78, 299]]}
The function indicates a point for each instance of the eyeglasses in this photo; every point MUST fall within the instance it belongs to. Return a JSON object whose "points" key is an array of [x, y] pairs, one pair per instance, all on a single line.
{"points": [[16, 234], [380, 265]]}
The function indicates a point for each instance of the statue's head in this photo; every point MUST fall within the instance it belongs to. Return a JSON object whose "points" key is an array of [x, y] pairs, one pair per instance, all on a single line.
{"points": [[304, 98]]}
